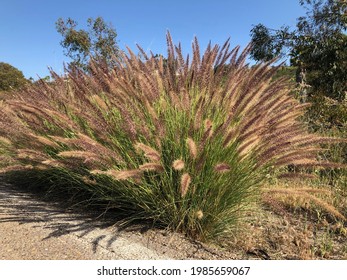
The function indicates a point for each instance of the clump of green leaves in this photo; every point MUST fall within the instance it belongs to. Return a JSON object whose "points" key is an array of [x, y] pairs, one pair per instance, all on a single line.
{"points": [[184, 142], [11, 78], [98, 41], [317, 47]]}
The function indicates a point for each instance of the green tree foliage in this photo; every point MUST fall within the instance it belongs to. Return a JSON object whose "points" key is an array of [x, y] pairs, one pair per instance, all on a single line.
{"points": [[317, 46], [10, 77], [267, 43], [99, 41]]}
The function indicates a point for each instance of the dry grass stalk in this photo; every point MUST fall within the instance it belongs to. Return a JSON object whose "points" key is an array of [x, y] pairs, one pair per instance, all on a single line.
{"points": [[247, 146], [44, 140], [222, 167], [199, 215], [151, 111], [7, 160], [16, 168], [185, 182], [120, 175], [229, 136], [296, 190], [307, 194], [208, 124], [89, 144], [77, 154], [297, 154], [326, 206], [149, 152], [151, 166], [89, 181], [53, 163], [62, 140], [208, 132], [193, 151], [100, 102], [90, 159], [29, 154]]}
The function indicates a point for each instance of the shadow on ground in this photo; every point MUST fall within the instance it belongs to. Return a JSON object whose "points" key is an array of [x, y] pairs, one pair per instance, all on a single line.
{"points": [[25, 207], [99, 228]]}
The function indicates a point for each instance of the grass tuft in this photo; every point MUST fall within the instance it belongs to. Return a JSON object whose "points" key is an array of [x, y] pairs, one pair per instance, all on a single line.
{"points": [[183, 144]]}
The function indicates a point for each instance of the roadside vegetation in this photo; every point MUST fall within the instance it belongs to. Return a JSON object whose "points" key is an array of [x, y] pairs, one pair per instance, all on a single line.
{"points": [[206, 145], [184, 145]]}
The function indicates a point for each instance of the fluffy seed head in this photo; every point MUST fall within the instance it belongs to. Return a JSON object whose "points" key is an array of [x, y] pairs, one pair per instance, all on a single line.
{"points": [[152, 166], [150, 153], [178, 164], [44, 140], [185, 182], [199, 214], [52, 163], [126, 174], [100, 102], [192, 148], [76, 154], [15, 168], [120, 175], [208, 124], [222, 168]]}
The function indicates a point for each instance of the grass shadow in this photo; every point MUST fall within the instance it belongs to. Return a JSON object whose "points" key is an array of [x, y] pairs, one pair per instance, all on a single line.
{"points": [[62, 211]]}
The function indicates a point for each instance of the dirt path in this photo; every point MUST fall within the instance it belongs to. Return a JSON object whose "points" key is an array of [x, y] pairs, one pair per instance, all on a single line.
{"points": [[34, 229]]}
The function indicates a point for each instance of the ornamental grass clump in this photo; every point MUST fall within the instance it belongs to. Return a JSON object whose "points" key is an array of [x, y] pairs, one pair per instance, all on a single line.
{"points": [[184, 142]]}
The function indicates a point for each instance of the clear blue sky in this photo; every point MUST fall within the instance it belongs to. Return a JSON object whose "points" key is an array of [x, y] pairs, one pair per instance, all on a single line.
{"points": [[30, 42]]}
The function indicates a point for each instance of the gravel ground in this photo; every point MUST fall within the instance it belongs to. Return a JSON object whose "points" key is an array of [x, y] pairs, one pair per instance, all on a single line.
{"points": [[31, 228]]}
